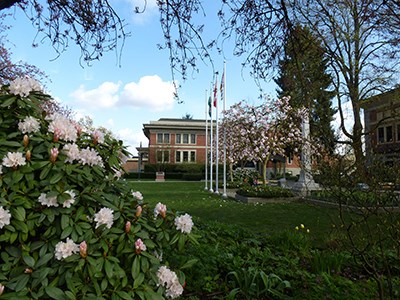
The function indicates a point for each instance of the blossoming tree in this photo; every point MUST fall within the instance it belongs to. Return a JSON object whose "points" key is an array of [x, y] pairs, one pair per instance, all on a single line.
{"points": [[258, 133], [70, 227]]}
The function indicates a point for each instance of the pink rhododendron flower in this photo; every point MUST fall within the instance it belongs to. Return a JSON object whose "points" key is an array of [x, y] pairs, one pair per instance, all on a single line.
{"points": [[160, 209]]}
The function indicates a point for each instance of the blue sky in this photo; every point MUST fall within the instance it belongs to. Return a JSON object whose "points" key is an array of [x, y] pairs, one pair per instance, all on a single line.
{"points": [[123, 97]]}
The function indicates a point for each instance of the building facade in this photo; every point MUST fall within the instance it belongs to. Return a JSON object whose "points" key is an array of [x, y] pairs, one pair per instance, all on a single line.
{"points": [[382, 125], [176, 141]]}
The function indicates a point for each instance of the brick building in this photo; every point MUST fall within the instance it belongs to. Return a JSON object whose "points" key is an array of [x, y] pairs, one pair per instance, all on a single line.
{"points": [[176, 141], [382, 125]]}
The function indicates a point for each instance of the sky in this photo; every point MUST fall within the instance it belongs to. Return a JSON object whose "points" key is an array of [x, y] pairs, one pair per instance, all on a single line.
{"points": [[123, 96]]}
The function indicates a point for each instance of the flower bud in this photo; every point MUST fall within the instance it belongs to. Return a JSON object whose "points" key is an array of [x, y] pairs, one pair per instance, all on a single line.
{"points": [[28, 155], [25, 140], [28, 271], [57, 133], [138, 211], [83, 249], [53, 155], [163, 213], [1, 289], [127, 227]]}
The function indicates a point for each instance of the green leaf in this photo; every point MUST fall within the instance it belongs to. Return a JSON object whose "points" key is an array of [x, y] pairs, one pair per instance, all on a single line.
{"points": [[20, 226], [45, 172], [138, 280], [7, 100], [109, 268], [56, 177], [66, 232], [21, 282], [55, 293], [18, 213], [44, 259], [189, 264], [135, 268], [64, 221], [29, 260]]}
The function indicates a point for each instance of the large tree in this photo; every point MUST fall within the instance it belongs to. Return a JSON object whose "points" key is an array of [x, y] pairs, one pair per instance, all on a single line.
{"points": [[360, 37], [303, 76], [94, 26]]}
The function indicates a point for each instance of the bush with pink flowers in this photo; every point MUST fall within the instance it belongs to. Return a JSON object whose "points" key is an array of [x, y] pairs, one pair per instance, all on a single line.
{"points": [[70, 227]]}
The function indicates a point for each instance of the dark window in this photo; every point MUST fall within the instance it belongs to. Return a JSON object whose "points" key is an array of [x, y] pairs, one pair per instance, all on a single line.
{"points": [[186, 138], [389, 134], [381, 135], [192, 156], [178, 138], [193, 138]]}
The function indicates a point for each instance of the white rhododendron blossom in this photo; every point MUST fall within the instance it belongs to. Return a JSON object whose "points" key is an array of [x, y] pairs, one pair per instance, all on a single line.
{"points": [[48, 201], [184, 223], [67, 203], [98, 136], [117, 173], [29, 125], [137, 195], [139, 245], [5, 217], [90, 157], [64, 250], [170, 281], [22, 86], [14, 159], [62, 127], [72, 151], [160, 209], [104, 216]]}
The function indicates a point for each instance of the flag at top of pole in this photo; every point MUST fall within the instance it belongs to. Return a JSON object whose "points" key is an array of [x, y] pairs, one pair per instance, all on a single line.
{"points": [[215, 93]]}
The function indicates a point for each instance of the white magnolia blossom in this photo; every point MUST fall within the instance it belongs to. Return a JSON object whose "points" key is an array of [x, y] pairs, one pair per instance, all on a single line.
{"points": [[184, 223], [62, 127], [169, 279], [64, 250], [48, 201], [90, 157], [29, 125], [4, 217], [22, 86], [72, 151], [104, 216], [14, 159], [67, 203]]}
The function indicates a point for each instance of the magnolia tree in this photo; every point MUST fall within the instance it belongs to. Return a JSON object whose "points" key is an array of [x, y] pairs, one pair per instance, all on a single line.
{"points": [[258, 133], [70, 227]]}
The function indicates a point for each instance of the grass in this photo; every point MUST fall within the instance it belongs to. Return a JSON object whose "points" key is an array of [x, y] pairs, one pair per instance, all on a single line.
{"points": [[267, 218]]}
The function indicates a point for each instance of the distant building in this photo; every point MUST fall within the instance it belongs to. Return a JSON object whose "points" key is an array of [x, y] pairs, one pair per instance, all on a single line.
{"points": [[184, 141], [176, 141], [382, 125]]}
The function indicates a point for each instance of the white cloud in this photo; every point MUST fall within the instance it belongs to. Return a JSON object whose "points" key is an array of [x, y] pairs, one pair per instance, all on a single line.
{"points": [[104, 96], [132, 139], [151, 92]]}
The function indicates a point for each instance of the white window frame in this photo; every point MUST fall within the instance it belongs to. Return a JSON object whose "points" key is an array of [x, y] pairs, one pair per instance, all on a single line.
{"points": [[165, 156], [179, 156]]}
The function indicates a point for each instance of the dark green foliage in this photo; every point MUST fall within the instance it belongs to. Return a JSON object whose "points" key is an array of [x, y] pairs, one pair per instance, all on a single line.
{"points": [[265, 191], [303, 76]]}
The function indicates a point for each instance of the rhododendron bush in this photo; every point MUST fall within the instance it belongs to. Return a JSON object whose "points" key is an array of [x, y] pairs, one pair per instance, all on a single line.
{"points": [[70, 227]]}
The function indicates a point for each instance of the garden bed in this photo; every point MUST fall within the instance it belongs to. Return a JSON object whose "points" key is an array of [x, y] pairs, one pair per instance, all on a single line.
{"points": [[247, 199]]}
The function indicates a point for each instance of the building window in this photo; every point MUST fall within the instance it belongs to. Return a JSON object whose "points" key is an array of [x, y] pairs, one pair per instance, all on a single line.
{"points": [[185, 138], [398, 132], [289, 159], [185, 156], [193, 138], [162, 156], [385, 134], [162, 138]]}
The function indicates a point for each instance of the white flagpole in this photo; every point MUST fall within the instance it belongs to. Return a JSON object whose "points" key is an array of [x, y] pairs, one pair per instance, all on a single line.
{"points": [[217, 135], [211, 150], [224, 195], [206, 149]]}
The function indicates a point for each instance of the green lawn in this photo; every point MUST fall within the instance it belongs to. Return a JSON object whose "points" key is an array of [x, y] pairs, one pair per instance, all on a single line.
{"points": [[261, 218]]}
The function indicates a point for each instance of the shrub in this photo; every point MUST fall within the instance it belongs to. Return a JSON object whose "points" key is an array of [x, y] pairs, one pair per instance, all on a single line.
{"points": [[265, 191], [69, 227]]}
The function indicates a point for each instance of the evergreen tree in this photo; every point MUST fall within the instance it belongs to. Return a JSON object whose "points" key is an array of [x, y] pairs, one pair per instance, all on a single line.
{"points": [[303, 76]]}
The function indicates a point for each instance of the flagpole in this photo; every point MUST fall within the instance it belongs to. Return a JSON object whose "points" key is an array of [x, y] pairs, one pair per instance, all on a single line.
{"points": [[211, 150], [223, 83], [217, 135], [206, 150]]}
